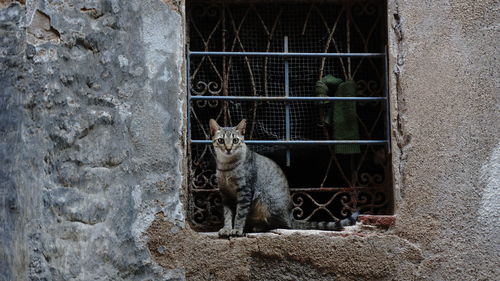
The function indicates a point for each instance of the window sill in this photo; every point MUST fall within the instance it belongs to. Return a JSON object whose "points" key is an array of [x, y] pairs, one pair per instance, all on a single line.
{"points": [[378, 220], [367, 225]]}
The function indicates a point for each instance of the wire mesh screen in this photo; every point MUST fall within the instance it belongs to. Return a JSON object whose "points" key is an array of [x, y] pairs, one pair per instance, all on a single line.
{"points": [[327, 181]]}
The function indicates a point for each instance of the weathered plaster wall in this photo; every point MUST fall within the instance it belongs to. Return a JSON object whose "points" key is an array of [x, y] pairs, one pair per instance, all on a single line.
{"points": [[91, 152], [90, 137], [448, 134]]}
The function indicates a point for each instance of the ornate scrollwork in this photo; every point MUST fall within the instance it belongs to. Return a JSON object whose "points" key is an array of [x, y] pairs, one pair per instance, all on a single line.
{"points": [[348, 202], [205, 10], [367, 179], [364, 9], [372, 201], [207, 208], [203, 175], [370, 88], [204, 180], [297, 210], [313, 206], [201, 88]]}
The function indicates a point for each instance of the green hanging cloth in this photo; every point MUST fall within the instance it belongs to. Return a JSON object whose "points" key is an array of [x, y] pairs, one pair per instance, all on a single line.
{"points": [[326, 87], [345, 120], [340, 114]]}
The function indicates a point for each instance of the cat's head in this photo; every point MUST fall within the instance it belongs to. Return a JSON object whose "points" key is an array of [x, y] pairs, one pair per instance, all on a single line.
{"points": [[228, 140]]}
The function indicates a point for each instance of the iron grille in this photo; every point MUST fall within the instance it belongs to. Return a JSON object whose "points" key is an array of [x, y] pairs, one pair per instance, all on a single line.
{"points": [[261, 61]]}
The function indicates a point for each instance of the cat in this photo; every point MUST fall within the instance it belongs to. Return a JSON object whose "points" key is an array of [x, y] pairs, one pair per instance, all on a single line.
{"points": [[254, 189]]}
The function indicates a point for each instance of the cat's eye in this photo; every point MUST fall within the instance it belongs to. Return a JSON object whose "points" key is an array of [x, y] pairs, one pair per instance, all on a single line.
{"points": [[221, 140], [235, 141]]}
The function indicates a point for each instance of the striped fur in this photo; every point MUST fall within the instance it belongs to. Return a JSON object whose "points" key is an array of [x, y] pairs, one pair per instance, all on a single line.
{"points": [[253, 188]]}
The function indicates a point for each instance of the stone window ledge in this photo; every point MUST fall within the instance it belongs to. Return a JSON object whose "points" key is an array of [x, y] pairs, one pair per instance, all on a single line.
{"points": [[383, 221], [366, 225]]}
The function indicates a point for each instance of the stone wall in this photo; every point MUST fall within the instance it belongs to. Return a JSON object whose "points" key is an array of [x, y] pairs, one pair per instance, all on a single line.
{"points": [[445, 100], [92, 157], [91, 145]]}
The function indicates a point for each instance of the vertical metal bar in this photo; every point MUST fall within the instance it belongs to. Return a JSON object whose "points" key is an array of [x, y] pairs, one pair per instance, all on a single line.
{"points": [[188, 82], [348, 37], [387, 100], [224, 82], [287, 105]]}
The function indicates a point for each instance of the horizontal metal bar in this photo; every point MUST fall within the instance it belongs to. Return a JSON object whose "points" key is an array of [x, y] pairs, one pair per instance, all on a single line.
{"points": [[283, 98], [287, 55], [336, 189], [300, 142], [308, 189]]}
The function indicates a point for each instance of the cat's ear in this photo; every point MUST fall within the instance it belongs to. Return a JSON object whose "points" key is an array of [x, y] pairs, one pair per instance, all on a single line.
{"points": [[241, 126], [214, 127]]}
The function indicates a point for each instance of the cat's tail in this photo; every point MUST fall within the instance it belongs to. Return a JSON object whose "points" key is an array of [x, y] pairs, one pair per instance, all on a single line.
{"points": [[323, 225]]}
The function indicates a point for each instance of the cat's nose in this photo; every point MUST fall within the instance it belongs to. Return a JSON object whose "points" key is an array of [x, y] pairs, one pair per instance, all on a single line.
{"points": [[228, 150]]}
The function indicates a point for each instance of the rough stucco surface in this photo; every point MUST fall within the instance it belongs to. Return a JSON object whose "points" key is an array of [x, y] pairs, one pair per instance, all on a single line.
{"points": [[448, 90], [91, 152], [90, 142]]}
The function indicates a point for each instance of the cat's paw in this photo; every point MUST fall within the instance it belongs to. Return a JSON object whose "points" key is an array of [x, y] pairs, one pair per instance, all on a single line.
{"points": [[225, 232], [237, 232]]}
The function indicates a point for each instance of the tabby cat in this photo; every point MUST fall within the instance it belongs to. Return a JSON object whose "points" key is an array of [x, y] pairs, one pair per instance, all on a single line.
{"points": [[253, 188]]}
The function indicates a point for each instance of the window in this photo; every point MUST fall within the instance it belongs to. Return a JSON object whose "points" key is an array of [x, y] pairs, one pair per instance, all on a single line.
{"points": [[281, 66]]}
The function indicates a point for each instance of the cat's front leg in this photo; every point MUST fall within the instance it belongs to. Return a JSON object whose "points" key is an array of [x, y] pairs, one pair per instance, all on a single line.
{"points": [[226, 231], [242, 210]]}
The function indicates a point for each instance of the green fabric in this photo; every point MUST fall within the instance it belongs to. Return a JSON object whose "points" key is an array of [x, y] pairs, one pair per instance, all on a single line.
{"points": [[327, 86], [341, 114], [345, 122]]}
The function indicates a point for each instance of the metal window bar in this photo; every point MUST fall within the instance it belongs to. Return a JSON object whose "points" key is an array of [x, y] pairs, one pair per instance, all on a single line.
{"points": [[301, 142], [286, 98], [387, 102], [287, 105], [285, 54]]}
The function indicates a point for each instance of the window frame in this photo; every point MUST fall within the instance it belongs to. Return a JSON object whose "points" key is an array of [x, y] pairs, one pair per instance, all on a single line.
{"points": [[286, 99]]}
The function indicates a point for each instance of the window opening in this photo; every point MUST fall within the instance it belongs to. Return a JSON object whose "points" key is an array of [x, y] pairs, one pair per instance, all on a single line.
{"points": [[277, 65]]}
